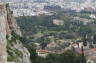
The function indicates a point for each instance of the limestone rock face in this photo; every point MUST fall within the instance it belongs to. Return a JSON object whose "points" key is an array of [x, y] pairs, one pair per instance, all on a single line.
{"points": [[3, 27], [11, 48]]}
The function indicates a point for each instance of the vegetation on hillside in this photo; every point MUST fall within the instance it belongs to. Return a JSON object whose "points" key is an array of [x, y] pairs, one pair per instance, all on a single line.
{"points": [[36, 27], [13, 53], [39, 29]]}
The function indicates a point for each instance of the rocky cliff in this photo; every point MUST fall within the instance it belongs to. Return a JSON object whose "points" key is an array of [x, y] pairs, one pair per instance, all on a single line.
{"points": [[3, 27], [11, 46]]}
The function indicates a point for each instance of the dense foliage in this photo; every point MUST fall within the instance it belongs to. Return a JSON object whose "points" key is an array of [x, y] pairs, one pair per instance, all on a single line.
{"points": [[43, 26]]}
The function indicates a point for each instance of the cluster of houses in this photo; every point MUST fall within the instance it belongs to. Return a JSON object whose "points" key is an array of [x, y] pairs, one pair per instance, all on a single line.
{"points": [[90, 53]]}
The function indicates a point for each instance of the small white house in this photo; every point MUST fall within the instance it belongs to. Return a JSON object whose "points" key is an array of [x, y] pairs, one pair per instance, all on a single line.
{"points": [[90, 61], [42, 53], [58, 22], [92, 16]]}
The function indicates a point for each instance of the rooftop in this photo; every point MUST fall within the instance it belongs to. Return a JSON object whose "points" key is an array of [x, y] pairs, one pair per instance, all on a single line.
{"points": [[42, 51]]}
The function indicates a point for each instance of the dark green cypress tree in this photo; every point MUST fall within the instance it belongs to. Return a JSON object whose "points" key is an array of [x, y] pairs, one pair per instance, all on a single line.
{"points": [[82, 54], [84, 40], [94, 39]]}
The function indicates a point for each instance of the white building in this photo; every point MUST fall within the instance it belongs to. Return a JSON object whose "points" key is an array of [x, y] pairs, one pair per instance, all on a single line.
{"points": [[58, 22]]}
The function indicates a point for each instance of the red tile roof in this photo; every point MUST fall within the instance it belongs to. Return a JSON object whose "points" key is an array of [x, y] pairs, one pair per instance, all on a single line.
{"points": [[42, 51], [93, 49]]}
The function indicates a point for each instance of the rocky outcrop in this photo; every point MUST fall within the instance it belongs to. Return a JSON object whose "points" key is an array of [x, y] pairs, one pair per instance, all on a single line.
{"points": [[11, 46], [3, 27]]}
